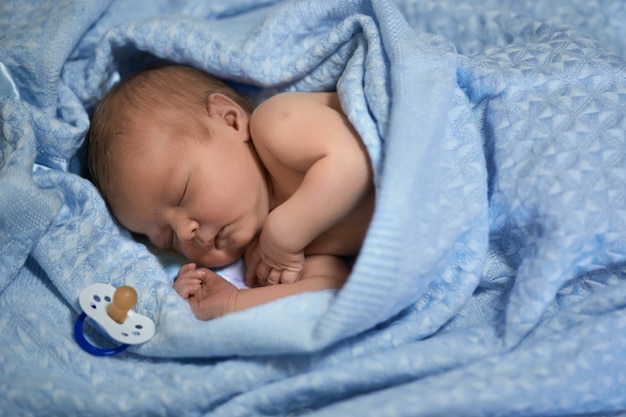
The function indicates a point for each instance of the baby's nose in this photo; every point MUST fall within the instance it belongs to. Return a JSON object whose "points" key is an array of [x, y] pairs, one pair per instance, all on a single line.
{"points": [[185, 229]]}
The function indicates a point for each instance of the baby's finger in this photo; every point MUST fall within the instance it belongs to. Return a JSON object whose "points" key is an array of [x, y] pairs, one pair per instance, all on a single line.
{"points": [[290, 276], [191, 274], [188, 288], [186, 268], [262, 273], [192, 277], [274, 277], [250, 278]]}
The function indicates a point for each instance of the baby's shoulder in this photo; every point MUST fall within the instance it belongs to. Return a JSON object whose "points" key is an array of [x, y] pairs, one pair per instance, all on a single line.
{"points": [[293, 104]]}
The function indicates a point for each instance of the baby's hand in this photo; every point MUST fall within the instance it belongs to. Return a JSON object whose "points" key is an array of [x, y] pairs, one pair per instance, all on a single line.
{"points": [[188, 281], [208, 294], [267, 263]]}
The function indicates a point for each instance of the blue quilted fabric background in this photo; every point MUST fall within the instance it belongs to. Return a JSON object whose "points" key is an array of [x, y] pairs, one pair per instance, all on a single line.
{"points": [[492, 279]]}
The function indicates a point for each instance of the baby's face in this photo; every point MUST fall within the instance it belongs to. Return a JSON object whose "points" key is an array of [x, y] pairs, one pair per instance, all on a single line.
{"points": [[206, 198]]}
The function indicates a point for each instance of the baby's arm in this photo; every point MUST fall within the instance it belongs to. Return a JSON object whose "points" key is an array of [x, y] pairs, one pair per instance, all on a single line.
{"points": [[312, 138], [211, 296]]}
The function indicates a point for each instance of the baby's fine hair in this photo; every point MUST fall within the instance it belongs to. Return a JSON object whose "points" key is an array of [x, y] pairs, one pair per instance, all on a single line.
{"points": [[170, 94]]}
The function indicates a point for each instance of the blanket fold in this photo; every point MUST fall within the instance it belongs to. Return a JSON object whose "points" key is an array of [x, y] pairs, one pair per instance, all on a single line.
{"points": [[492, 275], [26, 209]]}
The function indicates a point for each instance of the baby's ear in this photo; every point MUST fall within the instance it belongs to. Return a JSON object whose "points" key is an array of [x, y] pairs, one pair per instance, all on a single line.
{"points": [[226, 109]]}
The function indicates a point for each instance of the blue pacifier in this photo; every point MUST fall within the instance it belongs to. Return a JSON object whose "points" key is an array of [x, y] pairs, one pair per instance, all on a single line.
{"points": [[110, 310]]}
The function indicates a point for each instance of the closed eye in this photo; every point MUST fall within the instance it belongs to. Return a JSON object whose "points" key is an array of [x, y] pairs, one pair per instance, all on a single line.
{"points": [[181, 197]]}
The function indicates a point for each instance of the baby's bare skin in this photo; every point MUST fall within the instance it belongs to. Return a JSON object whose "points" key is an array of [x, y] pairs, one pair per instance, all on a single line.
{"points": [[318, 263], [288, 187], [320, 180], [345, 237]]}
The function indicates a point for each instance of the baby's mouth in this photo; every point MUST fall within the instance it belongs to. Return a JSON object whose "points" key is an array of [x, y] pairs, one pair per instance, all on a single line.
{"points": [[217, 239], [210, 243]]}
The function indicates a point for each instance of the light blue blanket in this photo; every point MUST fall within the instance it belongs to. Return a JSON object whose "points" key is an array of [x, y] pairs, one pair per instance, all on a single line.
{"points": [[493, 277]]}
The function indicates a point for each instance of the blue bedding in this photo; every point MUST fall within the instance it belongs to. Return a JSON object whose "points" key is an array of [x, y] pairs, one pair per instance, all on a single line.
{"points": [[493, 277]]}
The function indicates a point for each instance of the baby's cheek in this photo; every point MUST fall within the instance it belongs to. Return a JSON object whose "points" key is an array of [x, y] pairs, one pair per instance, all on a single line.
{"points": [[238, 243]]}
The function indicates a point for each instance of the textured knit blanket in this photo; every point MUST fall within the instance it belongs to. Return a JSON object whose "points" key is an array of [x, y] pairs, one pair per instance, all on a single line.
{"points": [[492, 280]]}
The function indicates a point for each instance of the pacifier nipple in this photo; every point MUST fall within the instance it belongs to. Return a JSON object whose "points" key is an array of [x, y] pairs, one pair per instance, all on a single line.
{"points": [[124, 299]]}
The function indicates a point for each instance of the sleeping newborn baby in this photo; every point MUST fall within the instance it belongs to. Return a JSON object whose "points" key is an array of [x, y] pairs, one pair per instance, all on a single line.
{"points": [[183, 159]]}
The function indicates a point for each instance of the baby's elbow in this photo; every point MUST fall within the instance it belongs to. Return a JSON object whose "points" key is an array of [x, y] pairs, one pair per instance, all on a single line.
{"points": [[359, 169]]}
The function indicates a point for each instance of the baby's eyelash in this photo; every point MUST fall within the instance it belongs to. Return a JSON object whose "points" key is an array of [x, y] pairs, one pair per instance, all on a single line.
{"points": [[182, 194]]}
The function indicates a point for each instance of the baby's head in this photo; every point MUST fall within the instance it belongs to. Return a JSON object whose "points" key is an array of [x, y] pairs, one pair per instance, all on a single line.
{"points": [[163, 97], [170, 151]]}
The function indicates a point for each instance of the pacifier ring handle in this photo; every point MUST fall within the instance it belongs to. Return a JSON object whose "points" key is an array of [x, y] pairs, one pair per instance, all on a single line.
{"points": [[90, 348]]}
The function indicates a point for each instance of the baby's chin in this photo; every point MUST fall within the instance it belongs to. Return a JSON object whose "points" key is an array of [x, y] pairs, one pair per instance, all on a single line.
{"points": [[216, 259], [230, 248]]}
